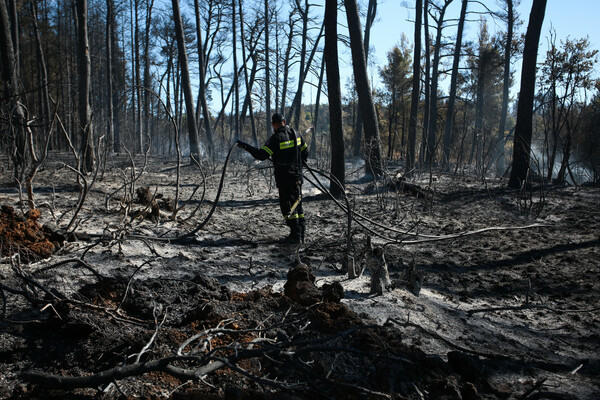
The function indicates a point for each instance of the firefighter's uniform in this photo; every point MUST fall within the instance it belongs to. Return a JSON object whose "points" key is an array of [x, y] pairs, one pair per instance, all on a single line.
{"points": [[288, 151]]}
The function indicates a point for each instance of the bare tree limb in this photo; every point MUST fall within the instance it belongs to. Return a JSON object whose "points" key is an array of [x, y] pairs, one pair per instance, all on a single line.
{"points": [[72, 260], [531, 307]]}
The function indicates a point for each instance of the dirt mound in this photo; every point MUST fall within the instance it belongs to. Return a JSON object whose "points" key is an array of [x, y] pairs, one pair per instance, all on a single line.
{"points": [[300, 287], [25, 236]]}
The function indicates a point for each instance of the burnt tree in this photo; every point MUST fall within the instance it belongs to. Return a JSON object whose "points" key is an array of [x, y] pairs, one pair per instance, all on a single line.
{"points": [[10, 77], [87, 153], [373, 161], [186, 84], [414, 102], [335, 97], [500, 161], [453, 82], [523, 129]]}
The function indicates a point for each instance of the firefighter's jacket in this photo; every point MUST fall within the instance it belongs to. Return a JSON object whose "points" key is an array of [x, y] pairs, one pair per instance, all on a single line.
{"points": [[288, 151]]}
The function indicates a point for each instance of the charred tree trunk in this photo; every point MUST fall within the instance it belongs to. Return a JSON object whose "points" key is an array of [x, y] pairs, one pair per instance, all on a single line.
{"points": [[523, 129], [248, 81], [236, 89], [202, 84], [87, 153], [358, 132], [278, 71], [110, 126], [433, 117], [10, 78], [500, 138], [404, 130], [296, 111], [43, 72], [478, 129], [147, 84], [373, 160], [561, 175], [13, 19], [555, 129], [427, 84], [169, 72], [335, 97], [414, 102], [392, 117], [138, 81], [286, 67], [133, 74], [247, 104], [453, 81], [267, 70], [297, 102], [315, 127], [186, 84]]}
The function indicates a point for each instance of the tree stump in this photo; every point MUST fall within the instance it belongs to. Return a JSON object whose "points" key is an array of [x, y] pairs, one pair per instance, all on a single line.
{"points": [[375, 261], [412, 278]]}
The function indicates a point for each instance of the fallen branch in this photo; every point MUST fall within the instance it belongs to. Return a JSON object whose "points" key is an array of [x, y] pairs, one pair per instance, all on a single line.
{"points": [[209, 363], [227, 356], [425, 238], [433, 238], [151, 341], [105, 377], [30, 283], [54, 294], [551, 396], [443, 339], [529, 307], [72, 260]]}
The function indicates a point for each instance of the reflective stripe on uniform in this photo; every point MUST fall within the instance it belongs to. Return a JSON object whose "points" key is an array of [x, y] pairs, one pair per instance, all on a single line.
{"points": [[289, 144], [268, 150], [304, 147], [295, 216]]}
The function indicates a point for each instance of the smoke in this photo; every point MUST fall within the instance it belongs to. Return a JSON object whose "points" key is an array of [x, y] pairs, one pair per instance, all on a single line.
{"points": [[539, 165]]}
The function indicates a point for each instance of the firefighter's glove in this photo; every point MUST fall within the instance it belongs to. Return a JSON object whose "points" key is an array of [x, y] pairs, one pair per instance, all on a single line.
{"points": [[243, 145]]}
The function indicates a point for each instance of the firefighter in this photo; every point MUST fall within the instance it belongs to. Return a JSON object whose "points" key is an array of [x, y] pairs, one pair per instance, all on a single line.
{"points": [[287, 151]]}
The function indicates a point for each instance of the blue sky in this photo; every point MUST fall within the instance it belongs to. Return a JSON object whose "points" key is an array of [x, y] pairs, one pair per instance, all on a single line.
{"points": [[573, 18]]}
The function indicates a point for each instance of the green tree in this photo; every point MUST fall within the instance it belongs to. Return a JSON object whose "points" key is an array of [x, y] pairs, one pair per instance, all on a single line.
{"points": [[566, 81], [589, 141]]}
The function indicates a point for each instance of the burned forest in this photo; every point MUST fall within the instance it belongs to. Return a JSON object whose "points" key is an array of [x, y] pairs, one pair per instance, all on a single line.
{"points": [[448, 219]]}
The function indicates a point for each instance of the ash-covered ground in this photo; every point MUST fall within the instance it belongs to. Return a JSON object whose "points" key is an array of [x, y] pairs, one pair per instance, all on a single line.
{"points": [[504, 300]]}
